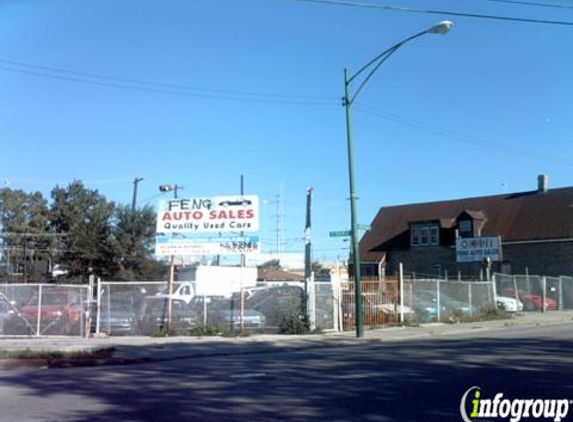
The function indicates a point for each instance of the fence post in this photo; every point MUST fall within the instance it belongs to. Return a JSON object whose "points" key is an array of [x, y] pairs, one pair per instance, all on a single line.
{"points": [[38, 325], [335, 282], [204, 308], [311, 302], [438, 299], [98, 305], [515, 290], [470, 297], [401, 281], [341, 302], [544, 294], [494, 289], [560, 293]]}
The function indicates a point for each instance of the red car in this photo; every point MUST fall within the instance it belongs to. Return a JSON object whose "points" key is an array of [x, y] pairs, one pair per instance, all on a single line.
{"points": [[61, 313], [532, 302]]}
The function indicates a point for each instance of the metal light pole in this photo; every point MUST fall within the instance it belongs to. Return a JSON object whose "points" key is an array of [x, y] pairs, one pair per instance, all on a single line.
{"points": [[373, 65]]}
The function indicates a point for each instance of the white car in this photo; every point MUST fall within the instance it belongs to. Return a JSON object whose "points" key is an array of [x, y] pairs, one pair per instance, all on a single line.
{"points": [[391, 309], [509, 304]]}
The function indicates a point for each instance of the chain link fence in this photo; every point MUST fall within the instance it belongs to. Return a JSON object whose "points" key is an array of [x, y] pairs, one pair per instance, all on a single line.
{"points": [[44, 309], [142, 308], [440, 300], [417, 301], [379, 301], [536, 293]]}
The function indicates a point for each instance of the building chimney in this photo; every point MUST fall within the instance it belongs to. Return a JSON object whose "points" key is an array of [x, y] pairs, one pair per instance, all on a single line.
{"points": [[542, 183]]}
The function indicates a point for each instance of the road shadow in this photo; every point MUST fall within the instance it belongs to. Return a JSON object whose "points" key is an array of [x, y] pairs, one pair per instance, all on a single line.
{"points": [[415, 380]]}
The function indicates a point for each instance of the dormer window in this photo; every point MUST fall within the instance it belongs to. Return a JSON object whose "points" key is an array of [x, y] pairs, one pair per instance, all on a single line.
{"points": [[424, 234], [465, 228]]}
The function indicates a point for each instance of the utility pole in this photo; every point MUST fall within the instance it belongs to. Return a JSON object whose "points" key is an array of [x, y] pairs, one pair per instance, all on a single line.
{"points": [[307, 243], [280, 218], [169, 188], [134, 200], [307, 251], [242, 304]]}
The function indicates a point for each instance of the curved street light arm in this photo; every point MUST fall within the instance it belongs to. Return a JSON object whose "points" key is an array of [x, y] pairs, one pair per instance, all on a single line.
{"points": [[381, 58], [372, 72]]}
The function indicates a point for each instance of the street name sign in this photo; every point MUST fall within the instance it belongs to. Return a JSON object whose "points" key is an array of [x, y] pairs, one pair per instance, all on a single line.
{"points": [[342, 233]]}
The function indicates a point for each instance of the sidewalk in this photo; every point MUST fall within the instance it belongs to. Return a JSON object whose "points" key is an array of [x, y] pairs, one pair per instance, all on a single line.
{"points": [[146, 349]]}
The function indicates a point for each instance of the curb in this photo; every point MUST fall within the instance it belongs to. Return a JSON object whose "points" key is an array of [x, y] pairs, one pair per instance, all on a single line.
{"points": [[254, 346]]}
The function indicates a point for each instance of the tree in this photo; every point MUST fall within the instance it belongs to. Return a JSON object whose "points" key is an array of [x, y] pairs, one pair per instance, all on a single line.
{"points": [[319, 269], [84, 218], [81, 230], [134, 237], [26, 235]]}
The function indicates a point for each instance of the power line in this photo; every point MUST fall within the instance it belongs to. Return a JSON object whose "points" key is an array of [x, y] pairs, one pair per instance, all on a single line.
{"points": [[463, 137], [160, 87], [160, 84], [433, 12], [9, 180], [530, 3]]}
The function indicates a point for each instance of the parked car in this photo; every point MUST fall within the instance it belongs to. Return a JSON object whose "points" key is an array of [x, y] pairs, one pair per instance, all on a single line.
{"points": [[531, 302], [390, 309], [232, 318], [426, 305], [59, 271], [61, 313], [117, 319], [184, 291], [276, 303], [154, 315], [6, 312], [509, 304], [220, 310]]}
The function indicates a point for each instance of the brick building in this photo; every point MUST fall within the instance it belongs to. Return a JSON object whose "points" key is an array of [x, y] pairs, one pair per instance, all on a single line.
{"points": [[535, 228]]}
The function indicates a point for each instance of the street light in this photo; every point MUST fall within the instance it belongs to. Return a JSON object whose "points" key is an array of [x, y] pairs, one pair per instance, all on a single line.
{"points": [[169, 188], [373, 65]]}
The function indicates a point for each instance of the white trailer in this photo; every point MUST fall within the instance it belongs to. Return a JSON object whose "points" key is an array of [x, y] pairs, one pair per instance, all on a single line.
{"points": [[218, 281]]}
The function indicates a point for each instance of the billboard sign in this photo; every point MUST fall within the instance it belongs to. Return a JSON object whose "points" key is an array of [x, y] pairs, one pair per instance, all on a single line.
{"points": [[218, 214], [230, 245], [476, 249]]}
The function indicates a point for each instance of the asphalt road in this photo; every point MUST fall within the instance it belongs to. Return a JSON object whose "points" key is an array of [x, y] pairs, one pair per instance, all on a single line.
{"points": [[408, 380]]}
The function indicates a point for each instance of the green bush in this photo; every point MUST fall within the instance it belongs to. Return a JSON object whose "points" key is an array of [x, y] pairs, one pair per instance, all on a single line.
{"points": [[487, 314], [295, 324], [166, 333], [211, 330]]}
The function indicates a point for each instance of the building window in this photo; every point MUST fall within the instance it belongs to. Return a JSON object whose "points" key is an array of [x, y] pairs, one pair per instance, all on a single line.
{"points": [[425, 234], [465, 228]]}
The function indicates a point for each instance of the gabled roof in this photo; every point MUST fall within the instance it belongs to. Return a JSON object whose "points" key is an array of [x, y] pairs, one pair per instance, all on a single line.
{"points": [[475, 215], [515, 217]]}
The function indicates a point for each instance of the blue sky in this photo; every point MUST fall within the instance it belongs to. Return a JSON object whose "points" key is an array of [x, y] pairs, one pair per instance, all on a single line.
{"points": [[253, 87]]}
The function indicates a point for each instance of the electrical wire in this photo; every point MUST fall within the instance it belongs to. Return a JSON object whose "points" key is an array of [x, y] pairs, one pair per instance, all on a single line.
{"points": [[158, 84], [529, 3], [427, 127], [430, 11], [160, 87]]}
